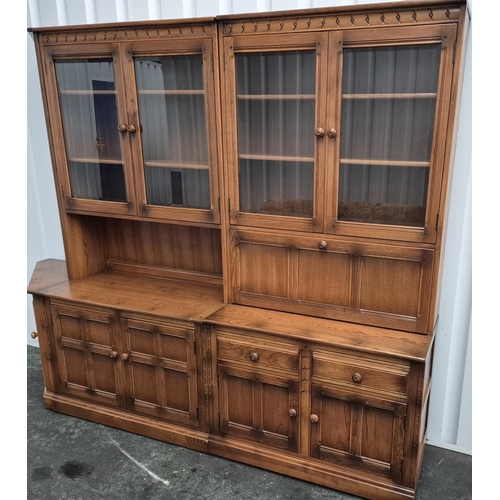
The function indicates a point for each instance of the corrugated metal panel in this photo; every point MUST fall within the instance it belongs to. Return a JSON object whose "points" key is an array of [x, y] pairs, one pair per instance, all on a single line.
{"points": [[450, 409]]}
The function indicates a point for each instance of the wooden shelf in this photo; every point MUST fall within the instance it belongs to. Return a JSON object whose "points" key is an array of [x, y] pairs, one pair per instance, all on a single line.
{"points": [[429, 95], [171, 92], [384, 163], [176, 164], [304, 159], [88, 92], [263, 97], [110, 161]]}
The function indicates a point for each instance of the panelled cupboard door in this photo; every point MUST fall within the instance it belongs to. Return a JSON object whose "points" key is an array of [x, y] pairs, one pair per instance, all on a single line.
{"points": [[341, 132], [87, 353], [133, 125], [160, 370], [357, 431], [369, 283], [261, 406]]}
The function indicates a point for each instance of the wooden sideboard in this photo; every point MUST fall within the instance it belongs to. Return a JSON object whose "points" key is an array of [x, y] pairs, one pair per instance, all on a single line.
{"points": [[253, 209]]}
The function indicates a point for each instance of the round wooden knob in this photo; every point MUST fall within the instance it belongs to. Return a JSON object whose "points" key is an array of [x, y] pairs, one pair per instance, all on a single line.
{"points": [[356, 377], [319, 132], [314, 418], [322, 245], [122, 128], [131, 129], [332, 133], [34, 335], [292, 412], [254, 356], [113, 354], [124, 356]]}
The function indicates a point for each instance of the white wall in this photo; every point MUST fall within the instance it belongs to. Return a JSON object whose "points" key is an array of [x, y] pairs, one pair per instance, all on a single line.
{"points": [[450, 417]]}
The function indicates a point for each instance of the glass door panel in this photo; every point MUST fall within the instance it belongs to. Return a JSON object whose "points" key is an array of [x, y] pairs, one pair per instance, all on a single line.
{"points": [[388, 111], [172, 110], [276, 102], [89, 112]]}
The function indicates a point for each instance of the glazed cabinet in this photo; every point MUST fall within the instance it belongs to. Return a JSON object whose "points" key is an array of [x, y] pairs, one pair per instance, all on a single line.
{"points": [[135, 119], [337, 135], [337, 130]]}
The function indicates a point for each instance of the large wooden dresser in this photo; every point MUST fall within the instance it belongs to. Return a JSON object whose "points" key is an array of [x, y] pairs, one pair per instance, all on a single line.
{"points": [[253, 210]]}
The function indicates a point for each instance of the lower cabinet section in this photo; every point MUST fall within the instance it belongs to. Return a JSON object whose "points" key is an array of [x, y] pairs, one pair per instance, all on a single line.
{"points": [[284, 393], [148, 367]]}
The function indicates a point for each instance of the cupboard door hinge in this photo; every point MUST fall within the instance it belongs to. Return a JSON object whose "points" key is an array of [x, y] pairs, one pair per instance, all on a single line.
{"points": [[437, 221], [224, 60], [194, 346], [454, 53], [404, 423], [229, 206], [218, 203], [402, 460], [197, 412]]}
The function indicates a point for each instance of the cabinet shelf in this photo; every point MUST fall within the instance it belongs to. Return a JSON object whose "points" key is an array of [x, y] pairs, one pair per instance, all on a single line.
{"points": [[418, 95], [176, 164], [304, 159], [110, 161], [263, 97], [384, 163], [88, 92], [171, 92]]}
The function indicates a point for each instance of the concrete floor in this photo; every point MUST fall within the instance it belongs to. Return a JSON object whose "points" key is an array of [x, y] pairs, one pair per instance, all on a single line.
{"points": [[69, 458]]}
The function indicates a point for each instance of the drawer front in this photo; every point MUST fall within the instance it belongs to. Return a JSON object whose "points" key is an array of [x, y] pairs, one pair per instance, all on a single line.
{"points": [[259, 353], [358, 373], [368, 283]]}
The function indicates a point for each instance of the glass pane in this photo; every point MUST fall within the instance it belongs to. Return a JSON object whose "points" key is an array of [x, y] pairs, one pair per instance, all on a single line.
{"points": [[402, 189], [276, 118], [89, 110], [388, 113], [277, 187], [174, 130]]}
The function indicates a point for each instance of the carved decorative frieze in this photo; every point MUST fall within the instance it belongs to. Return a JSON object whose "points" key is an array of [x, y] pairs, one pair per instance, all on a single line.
{"points": [[128, 34], [343, 21]]}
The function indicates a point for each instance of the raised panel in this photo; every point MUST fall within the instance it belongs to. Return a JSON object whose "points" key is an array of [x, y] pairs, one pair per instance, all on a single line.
{"points": [[264, 269], [324, 277], [390, 285]]}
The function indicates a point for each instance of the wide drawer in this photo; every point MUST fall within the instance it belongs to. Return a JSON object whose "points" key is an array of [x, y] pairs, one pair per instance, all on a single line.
{"points": [[263, 353], [358, 372], [367, 283]]}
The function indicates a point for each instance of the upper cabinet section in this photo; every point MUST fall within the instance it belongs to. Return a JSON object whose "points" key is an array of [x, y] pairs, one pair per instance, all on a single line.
{"points": [[133, 119], [339, 123]]}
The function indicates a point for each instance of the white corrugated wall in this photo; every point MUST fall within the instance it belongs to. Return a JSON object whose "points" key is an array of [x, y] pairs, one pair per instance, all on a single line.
{"points": [[450, 417]]}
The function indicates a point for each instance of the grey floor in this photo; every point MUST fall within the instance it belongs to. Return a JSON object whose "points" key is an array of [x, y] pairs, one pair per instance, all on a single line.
{"points": [[69, 458]]}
